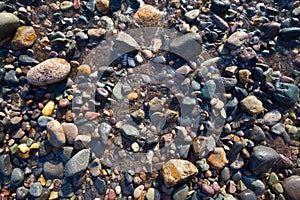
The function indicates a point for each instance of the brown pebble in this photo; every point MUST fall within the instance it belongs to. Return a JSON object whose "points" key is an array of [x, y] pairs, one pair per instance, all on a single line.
{"points": [[64, 103]]}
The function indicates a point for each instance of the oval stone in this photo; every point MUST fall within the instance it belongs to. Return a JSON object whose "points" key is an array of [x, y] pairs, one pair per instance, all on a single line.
{"points": [[8, 24], [48, 72]]}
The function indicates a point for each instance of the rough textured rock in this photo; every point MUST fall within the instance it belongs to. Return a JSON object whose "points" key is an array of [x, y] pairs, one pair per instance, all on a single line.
{"points": [[217, 159], [252, 105], [48, 72], [177, 170], [147, 15], [24, 38]]}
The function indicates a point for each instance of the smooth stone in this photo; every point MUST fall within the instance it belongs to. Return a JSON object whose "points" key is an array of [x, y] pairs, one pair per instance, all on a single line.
{"points": [[236, 40], [271, 29], [208, 90], [256, 134], [150, 195], [192, 15], [289, 33], [286, 93], [229, 83], [52, 170], [21, 193], [90, 5], [2, 74], [117, 91], [48, 72], [291, 187], [221, 5], [207, 189], [115, 5], [8, 24], [252, 105], [262, 159], [65, 5], [130, 131], [125, 43], [43, 121], [5, 165], [71, 132], [81, 36], [10, 78], [247, 195], [277, 188], [96, 32], [100, 186], [104, 130], [176, 171], [272, 117], [247, 55], [65, 154], [78, 163], [24, 38], [148, 15], [55, 133], [225, 174], [95, 167], [278, 129], [221, 23], [181, 192], [17, 177], [36, 189], [102, 5], [27, 60], [187, 46], [138, 191], [256, 185]]}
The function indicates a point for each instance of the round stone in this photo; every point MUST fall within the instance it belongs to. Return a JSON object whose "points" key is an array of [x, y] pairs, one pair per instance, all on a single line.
{"points": [[8, 24], [36, 189], [55, 133], [48, 72], [147, 15], [17, 177]]}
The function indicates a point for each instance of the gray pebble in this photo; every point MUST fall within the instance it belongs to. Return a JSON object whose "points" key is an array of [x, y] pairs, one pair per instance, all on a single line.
{"points": [[78, 163], [5, 165], [36, 189], [17, 177], [52, 170], [21, 193]]}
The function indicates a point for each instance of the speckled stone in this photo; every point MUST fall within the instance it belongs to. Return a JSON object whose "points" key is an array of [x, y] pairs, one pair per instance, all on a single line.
{"points": [[78, 163], [147, 15], [48, 72], [176, 170], [252, 105], [24, 38]]}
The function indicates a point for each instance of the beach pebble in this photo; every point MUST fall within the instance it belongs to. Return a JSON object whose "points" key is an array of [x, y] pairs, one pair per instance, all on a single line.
{"points": [[24, 38], [55, 133], [8, 24], [78, 163]]}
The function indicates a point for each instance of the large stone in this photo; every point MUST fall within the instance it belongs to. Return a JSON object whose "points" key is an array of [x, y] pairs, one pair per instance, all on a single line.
{"points": [[125, 43], [291, 187], [176, 171], [78, 163], [217, 160], [48, 72], [17, 177], [53, 170], [148, 15], [8, 24], [55, 133], [24, 38], [286, 93], [130, 131], [187, 46], [262, 159], [252, 105]]}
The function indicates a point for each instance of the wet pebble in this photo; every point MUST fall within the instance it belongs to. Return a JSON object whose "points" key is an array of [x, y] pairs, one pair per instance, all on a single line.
{"points": [[78, 163], [36, 189], [24, 38], [8, 24], [17, 177], [55, 133]]}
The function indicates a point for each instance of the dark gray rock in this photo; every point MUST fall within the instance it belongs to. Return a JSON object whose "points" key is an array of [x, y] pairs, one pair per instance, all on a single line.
{"points": [[262, 159], [52, 170], [17, 177], [278, 129], [253, 183], [100, 186], [21, 193], [247, 195], [256, 134], [289, 33], [125, 43], [10, 78], [5, 165], [291, 187], [181, 192], [208, 90], [220, 5], [27, 60], [286, 93], [8, 24]]}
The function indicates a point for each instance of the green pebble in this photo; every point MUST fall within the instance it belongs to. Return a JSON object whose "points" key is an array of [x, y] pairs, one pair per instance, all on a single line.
{"points": [[229, 197], [273, 178], [48, 183], [269, 195], [13, 148], [241, 186], [277, 188], [29, 142]]}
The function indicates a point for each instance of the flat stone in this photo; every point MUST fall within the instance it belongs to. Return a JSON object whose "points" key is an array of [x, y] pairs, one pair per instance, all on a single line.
{"points": [[8, 24], [220, 5], [291, 187], [130, 131], [24, 38], [100, 186], [148, 15], [138, 191], [53, 170], [217, 159], [176, 171], [247, 195], [27, 60], [236, 40], [10, 78], [244, 75], [55, 133], [289, 33], [262, 159], [278, 129], [78, 163], [82, 141], [65, 5], [95, 167], [17, 177], [271, 29], [5, 165], [256, 134], [48, 72], [252, 105], [96, 32], [187, 46], [221, 23], [247, 55]]}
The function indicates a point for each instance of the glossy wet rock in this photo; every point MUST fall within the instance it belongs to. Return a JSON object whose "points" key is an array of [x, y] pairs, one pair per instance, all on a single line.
{"points": [[8, 24]]}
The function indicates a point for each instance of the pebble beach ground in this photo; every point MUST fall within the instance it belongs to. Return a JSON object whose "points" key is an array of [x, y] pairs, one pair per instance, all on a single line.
{"points": [[153, 99]]}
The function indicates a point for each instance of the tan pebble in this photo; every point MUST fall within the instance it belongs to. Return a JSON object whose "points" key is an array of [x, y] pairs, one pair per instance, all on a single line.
{"points": [[42, 180], [244, 75], [148, 15], [53, 195], [217, 159], [132, 96], [23, 151], [48, 109], [35, 146], [83, 70], [102, 5]]}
